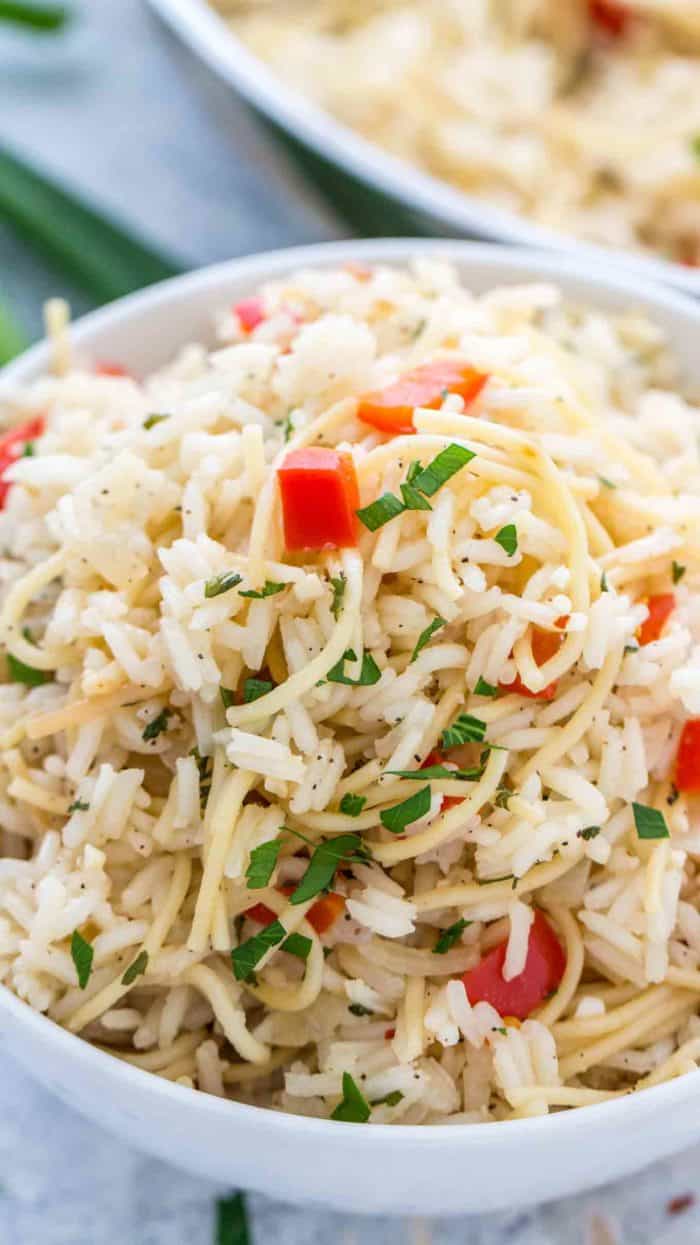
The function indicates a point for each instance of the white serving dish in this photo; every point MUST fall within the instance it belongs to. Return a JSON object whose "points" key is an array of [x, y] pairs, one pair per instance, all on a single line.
{"points": [[363, 1168], [440, 204]]}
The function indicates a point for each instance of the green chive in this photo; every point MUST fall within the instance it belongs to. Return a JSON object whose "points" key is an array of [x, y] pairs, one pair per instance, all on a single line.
{"points": [[650, 823], [464, 730], [246, 957], [19, 673], [262, 864], [135, 970], [412, 499], [298, 945], [352, 805], [354, 1107], [82, 955], [41, 17], [232, 1221], [380, 511], [324, 862], [12, 338], [485, 689], [369, 671], [338, 595], [426, 635], [448, 462], [157, 725], [221, 583], [150, 422], [677, 572], [507, 538], [269, 589], [449, 937], [253, 689], [401, 815]]}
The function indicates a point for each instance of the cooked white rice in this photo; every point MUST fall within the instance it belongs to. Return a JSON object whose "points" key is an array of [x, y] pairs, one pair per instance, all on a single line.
{"points": [[132, 800], [582, 114]]}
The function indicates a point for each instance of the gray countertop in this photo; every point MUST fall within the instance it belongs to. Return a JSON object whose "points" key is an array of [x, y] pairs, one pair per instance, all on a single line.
{"points": [[123, 113]]}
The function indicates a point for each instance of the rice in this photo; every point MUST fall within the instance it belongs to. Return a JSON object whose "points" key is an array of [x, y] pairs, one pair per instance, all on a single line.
{"points": [[582, 116], [404, 815]]}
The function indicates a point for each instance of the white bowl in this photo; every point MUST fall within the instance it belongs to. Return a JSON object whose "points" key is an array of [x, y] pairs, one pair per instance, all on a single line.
{"points": [[214, 42], [364, 1168]]}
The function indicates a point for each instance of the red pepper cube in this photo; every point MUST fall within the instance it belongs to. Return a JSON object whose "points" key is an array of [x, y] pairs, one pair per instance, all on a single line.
{"points": [[688, 761], [544, 969], [660, 607], [319, 495], [12, 446], [391, 409], [250, 312]]}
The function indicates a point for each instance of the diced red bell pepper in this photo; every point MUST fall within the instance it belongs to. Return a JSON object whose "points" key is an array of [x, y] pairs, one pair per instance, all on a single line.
{"points": [[391, 409], [12, 446], [544, 645], [688, 760], [250, 312], [321, 915], [544, 969], [107, 368], [320, 496], [660, 607], [610, 15]]}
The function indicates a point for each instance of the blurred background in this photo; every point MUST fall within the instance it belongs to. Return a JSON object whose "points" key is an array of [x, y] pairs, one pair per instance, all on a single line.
{"points": [[123, 161]]}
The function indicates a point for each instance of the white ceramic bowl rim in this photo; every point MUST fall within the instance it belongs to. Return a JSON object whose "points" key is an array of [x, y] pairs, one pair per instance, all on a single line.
{"points": [[637, 1108], [204, 30]]}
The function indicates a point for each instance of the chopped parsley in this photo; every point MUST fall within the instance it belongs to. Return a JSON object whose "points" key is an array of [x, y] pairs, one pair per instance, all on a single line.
{"points": [[464, 730], [253, 689], [389, 1100], [606, 482], [338, 595], [246, 957], [135, 970], [485, 689], [81, 954], [401, 815], [262, 864], [286, 425], [449, 937], [426, 635], [232, 1221], [604, 583], [507, 538], [157, 725], [325, 859], [28, 450], [19, 673], [590, 832], [649, 822], [298, 945], [228, 696], [695, 146], [354, 1107], [78, 806], [503, 795], [677, 571], [151, 420], [447, 463], [381, 511], [429, 772], [222, 583], [357, 1009], [269, 589], [369, 671], [352, 805]]}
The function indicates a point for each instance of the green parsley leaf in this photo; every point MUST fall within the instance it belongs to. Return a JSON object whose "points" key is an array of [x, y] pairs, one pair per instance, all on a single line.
{"points": [[19, 673], [222, 583], [401, 815], [485, 689], [228, 696], [269, 589], [246, 957], [428, 772], [157, 725], [381, 511], [448, 462], [354, 1107], [232, 1221], [262, 864], [338, 595], [389, 1100], [358, 1010], [369, 671], [631, 648], [500, 1029], [151, 420], [287, 427], [78, 806], [464, 730], [352, 805], [677, 572], [298, 945], [413, 500], [426, 635], [606, 482], [590, 832], [650, 823], [81, 954], [28, 451], [253, 689], [507, 538], [449, 937], [325, 859], [135, 970]]}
